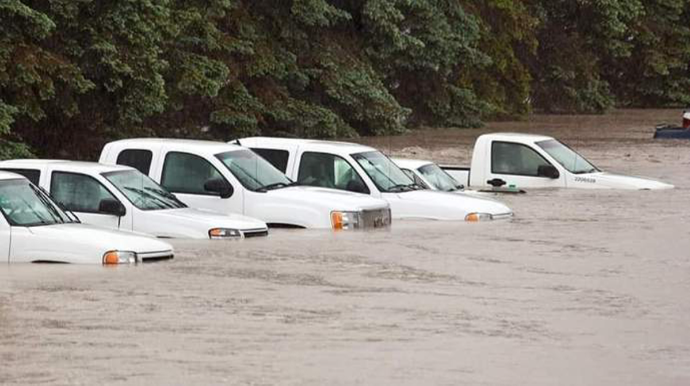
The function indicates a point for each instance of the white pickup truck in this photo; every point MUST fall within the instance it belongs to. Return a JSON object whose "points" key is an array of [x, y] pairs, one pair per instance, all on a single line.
{"points": [[536, 161], [365, 170], [120, 197], [34, 229], [230, 179]]}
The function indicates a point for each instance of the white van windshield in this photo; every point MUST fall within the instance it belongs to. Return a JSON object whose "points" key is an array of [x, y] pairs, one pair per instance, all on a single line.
{"points": [[142, 191], [253, 171], [567, 157], [25, 205], [386, 175]]}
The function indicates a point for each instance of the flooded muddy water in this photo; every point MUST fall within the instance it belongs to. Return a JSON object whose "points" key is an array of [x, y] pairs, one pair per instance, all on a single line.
{"points": [[581, 288]]}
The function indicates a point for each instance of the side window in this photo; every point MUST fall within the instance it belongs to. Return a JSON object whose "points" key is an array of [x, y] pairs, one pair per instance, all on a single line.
{"points": [[138, 159], [515, 159], [32, 175], [329, 171], [78, 192], [187, 173], [277, 158]]}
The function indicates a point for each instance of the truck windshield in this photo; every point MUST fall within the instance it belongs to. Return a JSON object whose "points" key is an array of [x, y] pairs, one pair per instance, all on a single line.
{"points": [[143, 192], [439, 178], [253, 172], [386, 175], [567, 157], [25, 205]]}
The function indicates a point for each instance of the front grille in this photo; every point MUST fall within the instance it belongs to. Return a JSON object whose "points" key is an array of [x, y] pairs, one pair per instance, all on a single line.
{"points": [[378, 218], [152, 257], [255, 233], [502, 216], [157, 258]]}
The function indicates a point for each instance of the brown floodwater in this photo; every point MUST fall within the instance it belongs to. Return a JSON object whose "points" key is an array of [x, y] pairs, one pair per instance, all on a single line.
{"points": [[581, 288]]}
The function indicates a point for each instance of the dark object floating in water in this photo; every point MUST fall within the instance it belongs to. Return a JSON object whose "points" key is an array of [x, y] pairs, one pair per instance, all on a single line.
{"points": [[670, 132], [673, 132]]}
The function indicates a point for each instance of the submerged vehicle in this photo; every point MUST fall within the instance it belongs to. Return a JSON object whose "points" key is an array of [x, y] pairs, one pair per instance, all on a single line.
{"points": [[361, 169], [432, 176], [121, 197], [35, 229], [674, 132], [530, 161], [231, 179]]}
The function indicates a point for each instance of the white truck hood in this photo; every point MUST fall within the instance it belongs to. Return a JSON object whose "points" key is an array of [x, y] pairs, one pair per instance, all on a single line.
{"points": [[195, 223], [307, 206], [436, 205], [617, 181], [80, 243], [337, 199]]}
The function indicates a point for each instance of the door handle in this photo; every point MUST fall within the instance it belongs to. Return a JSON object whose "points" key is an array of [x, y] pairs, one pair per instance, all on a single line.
{"points": [[496, 182]]}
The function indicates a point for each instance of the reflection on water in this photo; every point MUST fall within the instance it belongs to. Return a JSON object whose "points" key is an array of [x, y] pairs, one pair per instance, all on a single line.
{"points": [[582, 287]]}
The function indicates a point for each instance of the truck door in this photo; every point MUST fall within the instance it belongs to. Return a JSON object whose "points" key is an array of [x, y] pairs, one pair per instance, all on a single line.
{"points": [[186, 174], [83, 195], [517, 164], [5, 236]]}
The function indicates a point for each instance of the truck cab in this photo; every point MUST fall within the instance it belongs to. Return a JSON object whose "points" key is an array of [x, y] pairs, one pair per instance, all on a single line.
{"points": [[366, 171], [231, 179], [536, 161], [35, 229], [121, 197]]}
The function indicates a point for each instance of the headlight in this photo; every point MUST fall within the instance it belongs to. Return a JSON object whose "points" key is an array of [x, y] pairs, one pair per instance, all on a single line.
{"points": [[477, 217], [119, 257], [345, 220], [225, 233]]}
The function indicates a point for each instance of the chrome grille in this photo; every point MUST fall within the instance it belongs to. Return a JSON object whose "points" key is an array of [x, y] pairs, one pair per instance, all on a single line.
{"points": [[378, 218]]}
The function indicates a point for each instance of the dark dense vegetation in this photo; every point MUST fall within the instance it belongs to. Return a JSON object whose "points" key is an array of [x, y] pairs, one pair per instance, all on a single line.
{"points": [[75, 73]]}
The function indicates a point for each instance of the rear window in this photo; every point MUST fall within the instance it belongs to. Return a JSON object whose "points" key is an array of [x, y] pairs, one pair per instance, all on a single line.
{"points": [[32, 175], [136, 158], [277, 158]]}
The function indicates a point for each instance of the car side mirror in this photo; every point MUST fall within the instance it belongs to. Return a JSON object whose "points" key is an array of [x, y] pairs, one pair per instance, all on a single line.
{"points": [[112, 207], [548, 171], [220, 187], [357, 187]]}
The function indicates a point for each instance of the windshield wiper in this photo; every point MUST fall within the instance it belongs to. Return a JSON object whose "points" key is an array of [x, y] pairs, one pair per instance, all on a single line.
{"points": [[160, 202], [57, 219], [592, 170], [401, 188], [167, 195], [277, 185]]}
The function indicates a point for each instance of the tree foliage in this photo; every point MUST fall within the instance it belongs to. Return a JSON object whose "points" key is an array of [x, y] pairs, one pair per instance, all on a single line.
{"points": [[74, 74]]}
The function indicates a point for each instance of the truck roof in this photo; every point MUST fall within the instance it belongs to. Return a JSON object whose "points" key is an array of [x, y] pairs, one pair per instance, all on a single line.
{"points": [[213, 147], [513, 136], [64, 164], [314, 144]]}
